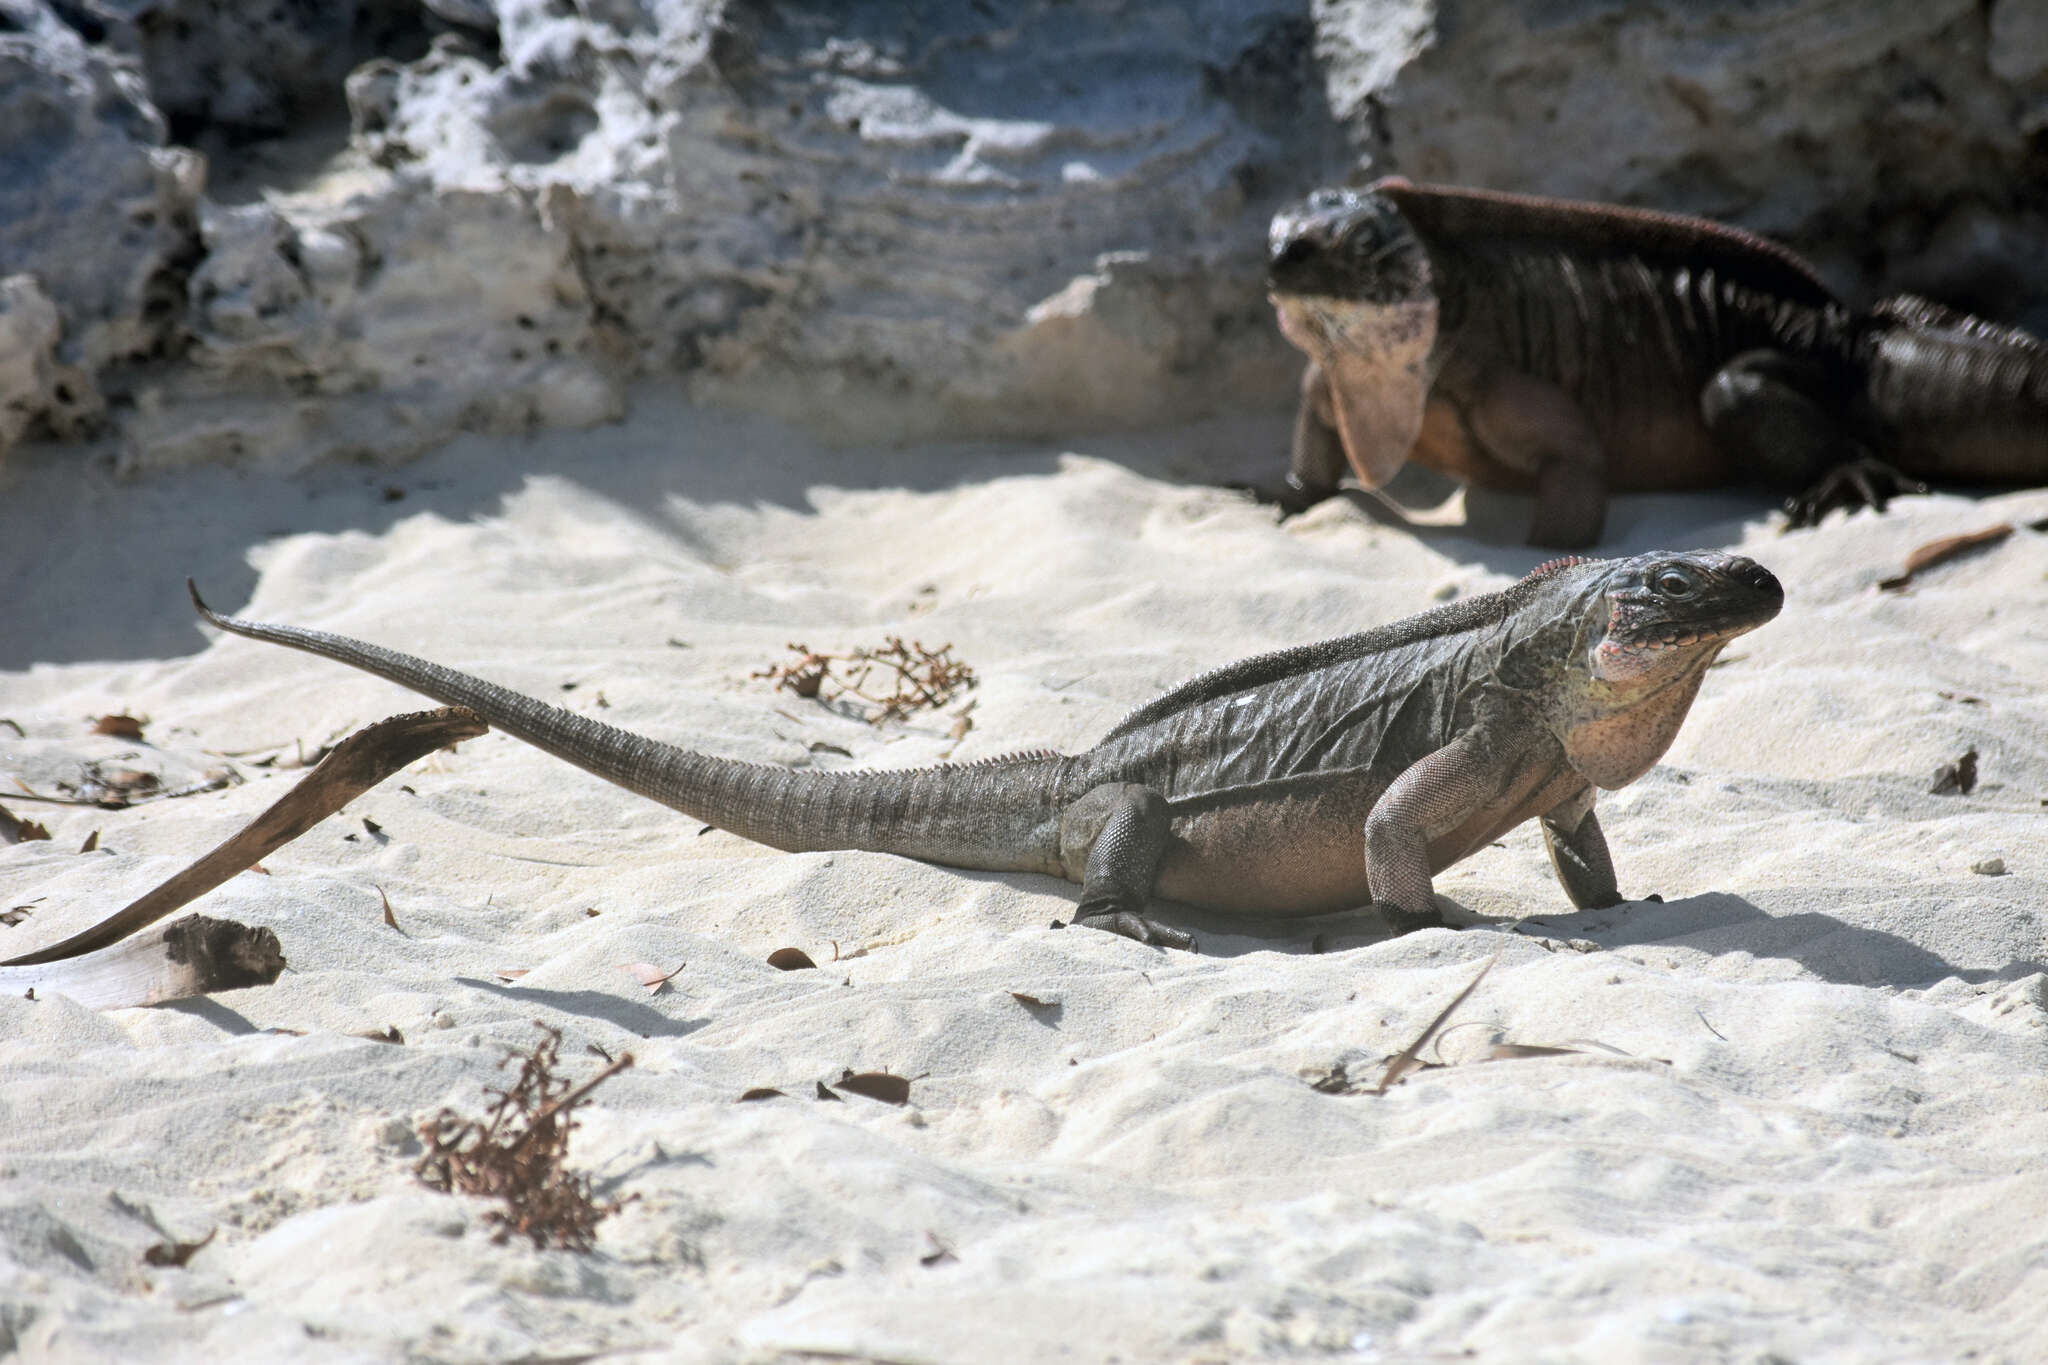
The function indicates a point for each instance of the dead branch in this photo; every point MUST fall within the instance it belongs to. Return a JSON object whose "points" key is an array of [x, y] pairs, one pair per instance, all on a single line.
{"points": [[915, 678], [515, 1153]]}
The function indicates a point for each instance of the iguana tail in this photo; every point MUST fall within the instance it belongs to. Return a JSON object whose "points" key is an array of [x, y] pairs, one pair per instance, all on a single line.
{"points": [[1000, 815], [1966, 398]]}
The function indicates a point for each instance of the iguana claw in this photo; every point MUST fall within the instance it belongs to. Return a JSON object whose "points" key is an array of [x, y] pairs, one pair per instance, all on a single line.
{"points": [[1858, 483], [1132, 925]]}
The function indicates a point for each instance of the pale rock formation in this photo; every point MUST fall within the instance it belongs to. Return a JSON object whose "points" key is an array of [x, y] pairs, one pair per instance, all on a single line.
{"points": [[936, 220]]}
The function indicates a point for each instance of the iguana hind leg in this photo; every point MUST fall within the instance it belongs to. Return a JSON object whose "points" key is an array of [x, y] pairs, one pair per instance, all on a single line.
{"points": [[1118, 832], [1773, 417]]}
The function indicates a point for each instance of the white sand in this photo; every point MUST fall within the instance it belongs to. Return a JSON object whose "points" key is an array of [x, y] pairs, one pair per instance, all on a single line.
{"points": [[1826, 1141]]}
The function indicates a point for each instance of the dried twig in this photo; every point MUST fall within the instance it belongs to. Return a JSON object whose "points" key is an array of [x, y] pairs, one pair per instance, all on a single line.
{"points": [[916, 678], [515, 1152], [1404, 1063]]}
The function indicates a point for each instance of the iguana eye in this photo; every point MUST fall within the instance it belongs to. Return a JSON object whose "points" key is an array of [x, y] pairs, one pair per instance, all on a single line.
{"points": [[1672, 583]]}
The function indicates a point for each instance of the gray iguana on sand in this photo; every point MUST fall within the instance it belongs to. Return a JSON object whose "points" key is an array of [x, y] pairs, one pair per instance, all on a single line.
{"points": [[1324, 777], [1564, 349]]}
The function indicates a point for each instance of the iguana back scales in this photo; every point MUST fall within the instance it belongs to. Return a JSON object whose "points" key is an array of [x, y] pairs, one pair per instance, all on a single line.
{"points": [[1318, 778]]}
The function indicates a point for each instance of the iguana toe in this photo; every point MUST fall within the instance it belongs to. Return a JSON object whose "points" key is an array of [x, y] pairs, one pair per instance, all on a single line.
{"points": [[1407, 921], [1858, 483], [1133, 925]]}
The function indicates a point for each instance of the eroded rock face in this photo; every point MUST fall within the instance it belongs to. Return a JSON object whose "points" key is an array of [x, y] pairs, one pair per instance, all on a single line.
{"points": [[97, 220], [1866, 133], [893, 221]]}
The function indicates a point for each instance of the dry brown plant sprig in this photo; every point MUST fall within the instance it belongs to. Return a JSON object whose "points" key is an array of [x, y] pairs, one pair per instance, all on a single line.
{"points": [[516, 1152], [916, 678]]}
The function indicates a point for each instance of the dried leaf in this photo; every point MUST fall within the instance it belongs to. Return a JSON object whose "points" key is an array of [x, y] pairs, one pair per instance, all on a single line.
{"points": [[791, 960], [1335, 1081], [1941, 551], [1032, 1002], [511, 973], [389, 918], [15, 914], [762, 1092], [127, 780], [174, 1252], [1406, 1062], [16, 830], [1958, 778], [939, 1254], [371, 827], [825, 1093], [388, 1034], [652, 977], [92, 841], [877, 1085], [120, 727]]}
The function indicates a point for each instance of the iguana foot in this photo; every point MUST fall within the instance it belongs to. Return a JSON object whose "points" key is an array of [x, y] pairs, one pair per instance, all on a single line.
{"points": [[1116, 920], [1292, 497], [1408, 921], [1857, 483]]}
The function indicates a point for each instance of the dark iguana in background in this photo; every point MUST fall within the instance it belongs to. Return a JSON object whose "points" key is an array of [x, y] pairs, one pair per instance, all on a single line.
{"points": [[1324, 777], [1566, 349]]}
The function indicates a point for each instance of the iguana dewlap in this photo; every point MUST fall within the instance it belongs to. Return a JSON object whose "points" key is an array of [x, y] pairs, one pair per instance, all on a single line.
{"points": [[1324, 777], [1565, 349]]}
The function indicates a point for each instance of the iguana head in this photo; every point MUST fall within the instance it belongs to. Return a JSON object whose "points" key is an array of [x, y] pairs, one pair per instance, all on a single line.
{"points": [[1352, 286], [1637, 637]]}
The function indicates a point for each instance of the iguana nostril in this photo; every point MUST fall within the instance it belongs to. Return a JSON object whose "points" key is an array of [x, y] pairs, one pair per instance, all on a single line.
{"points": [[1756, 576]]}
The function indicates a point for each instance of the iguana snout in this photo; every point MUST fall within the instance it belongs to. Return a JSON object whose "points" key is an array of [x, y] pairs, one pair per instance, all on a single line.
{"points": [[1665, 604]]}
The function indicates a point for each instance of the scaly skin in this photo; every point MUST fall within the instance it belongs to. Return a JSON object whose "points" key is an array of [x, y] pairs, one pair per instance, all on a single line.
{"points": [[1566, 349], [1325, 777]]}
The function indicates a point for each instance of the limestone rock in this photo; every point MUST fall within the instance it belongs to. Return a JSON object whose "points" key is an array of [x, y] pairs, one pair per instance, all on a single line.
{"points": [[908, 221], [1826, 123], [91, 203]]}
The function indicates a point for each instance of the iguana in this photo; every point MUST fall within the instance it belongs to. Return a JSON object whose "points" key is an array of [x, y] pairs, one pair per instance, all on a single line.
{"points": [[1565, 349], [1323, 777]]}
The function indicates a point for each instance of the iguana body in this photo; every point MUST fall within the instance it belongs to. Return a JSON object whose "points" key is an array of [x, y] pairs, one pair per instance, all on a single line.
{"points": [[1318, 778], [1566, 349]]}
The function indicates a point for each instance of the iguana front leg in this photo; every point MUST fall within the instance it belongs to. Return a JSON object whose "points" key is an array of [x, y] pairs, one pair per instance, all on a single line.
{"points": [[1432, 798], [1117, 832], [1534, 426], [1317, 460], [1578, 853]]}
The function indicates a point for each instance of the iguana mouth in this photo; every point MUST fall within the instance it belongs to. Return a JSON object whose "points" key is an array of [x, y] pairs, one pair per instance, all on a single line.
{"points": [[1690, 634]]}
